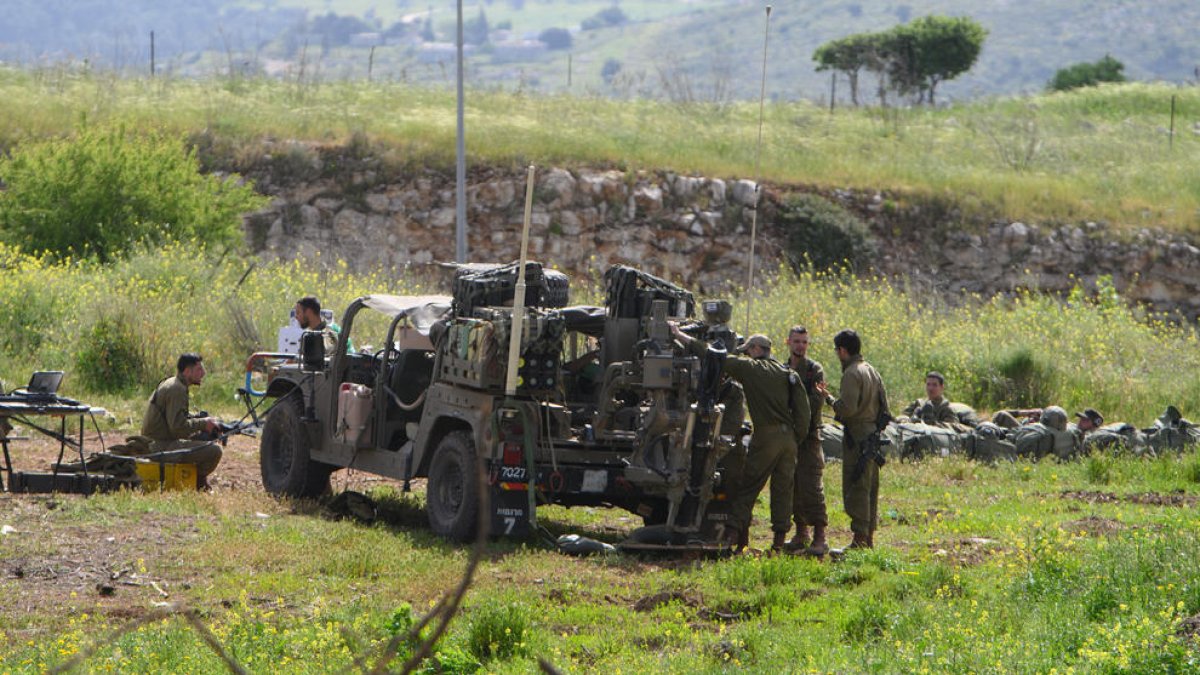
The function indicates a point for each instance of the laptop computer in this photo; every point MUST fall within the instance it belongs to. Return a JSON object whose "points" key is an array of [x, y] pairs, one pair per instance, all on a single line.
{"points": [[44, 384]]}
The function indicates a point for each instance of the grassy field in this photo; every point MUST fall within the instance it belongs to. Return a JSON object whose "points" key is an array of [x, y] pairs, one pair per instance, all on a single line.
{"points": [[1020, 568], [1099, 154]]}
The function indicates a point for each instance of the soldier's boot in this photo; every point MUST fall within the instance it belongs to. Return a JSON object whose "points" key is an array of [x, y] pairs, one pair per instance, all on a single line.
{"points": [[743, 541], [779, 541], [732, 538], [800, 540], [860, 541], [871, 539], [819, 545]]}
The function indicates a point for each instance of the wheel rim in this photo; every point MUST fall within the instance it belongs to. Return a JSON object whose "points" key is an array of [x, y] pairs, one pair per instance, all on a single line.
{"points": [[450, 489]]}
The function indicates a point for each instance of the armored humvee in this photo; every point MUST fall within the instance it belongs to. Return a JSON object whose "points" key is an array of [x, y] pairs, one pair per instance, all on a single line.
{"points": [[608, 410]]}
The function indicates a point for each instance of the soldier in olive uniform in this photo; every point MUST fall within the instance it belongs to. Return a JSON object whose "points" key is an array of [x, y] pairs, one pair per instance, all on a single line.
{"points": [[862, 399], [717, 314], [934, 410], [171, 429], [779, 410], [308, 315], [808, 507]]}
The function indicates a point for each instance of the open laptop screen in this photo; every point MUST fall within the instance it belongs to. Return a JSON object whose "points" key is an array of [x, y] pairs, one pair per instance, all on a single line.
{"points": [[45, 382]]}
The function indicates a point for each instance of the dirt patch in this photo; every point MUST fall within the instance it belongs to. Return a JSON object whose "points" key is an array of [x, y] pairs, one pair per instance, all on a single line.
{"points": [[652, 602], [1177, 498], [1094, 526], [1189, 629], [968, 551]]}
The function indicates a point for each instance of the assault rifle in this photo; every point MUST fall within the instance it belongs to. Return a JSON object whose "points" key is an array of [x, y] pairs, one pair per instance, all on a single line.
{"points": [[871, 447]]}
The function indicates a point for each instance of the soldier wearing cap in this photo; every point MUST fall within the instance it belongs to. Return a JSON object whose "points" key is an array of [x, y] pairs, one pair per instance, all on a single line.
{"points": [[779, 410], [863, 398], [1089, 420], [808, 506]]}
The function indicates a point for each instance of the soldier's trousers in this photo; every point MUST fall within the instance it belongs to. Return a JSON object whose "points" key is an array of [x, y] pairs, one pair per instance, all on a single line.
{"points": [[772, 456], [204, 454], [808, 504], [860, 497]]}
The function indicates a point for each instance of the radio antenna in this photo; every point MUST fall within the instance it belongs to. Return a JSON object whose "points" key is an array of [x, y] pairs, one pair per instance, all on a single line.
{"points": [[762, 97]]}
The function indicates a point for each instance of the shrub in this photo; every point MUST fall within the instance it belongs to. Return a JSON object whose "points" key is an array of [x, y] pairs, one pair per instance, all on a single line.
{"points": [[1079, 75], [556, 38], [498, 631], [1192, 470], [101, 192], [1099, 470], [1018, 378], [871, 619], [822, 233], [611, 16], [110, 358]]}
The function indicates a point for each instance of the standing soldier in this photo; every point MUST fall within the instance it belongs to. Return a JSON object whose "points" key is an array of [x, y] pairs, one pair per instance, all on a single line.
{"points": [[779, 411], [808, 507], [861, 409]]}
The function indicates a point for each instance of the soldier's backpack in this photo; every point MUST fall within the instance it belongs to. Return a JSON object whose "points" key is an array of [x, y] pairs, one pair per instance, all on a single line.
{"points": [[1117, 438], [1172, 432], [916, 440], [1033, 441], [966, 414], [987, 443], [831, 441]]}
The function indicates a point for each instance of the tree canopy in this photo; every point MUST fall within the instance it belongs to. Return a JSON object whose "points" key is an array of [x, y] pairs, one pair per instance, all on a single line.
{"points": [[1106, 69]]}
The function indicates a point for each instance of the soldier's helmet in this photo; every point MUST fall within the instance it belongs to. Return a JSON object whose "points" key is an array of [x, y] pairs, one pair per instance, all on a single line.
{"points": [[716, 312], [1055, 418]]}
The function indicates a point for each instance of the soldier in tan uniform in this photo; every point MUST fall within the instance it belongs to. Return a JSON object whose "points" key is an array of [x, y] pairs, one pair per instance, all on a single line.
{"points": [[934, 410], [808, 504], [779, 411], [858, 408], [171, 429]]}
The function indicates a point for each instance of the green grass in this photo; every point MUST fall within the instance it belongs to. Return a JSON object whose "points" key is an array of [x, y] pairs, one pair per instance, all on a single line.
{"points": [[1099, 154], [998, 572]]}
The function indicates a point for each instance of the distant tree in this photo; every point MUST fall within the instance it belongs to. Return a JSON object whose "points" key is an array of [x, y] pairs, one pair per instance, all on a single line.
{"points": [[556, 38], [849, 56], [611, 16], [609, 70], [1106, 69], [427, 31], [475, 31], [942, 48]]}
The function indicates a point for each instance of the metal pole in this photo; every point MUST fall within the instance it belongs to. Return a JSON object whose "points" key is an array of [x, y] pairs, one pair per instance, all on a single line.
{"points": [[151, 53], [832, 91], [762, 95], [1171, 142], [460, 180], [569, 69], [518, 315]]}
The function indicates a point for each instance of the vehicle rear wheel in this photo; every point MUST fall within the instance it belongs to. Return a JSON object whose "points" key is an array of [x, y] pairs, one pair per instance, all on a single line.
{"points": [[285, 453], [452, 497]]}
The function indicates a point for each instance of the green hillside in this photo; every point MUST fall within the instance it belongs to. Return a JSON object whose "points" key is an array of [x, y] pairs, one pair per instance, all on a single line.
{"points": [[1099, 154], [705, 49]]}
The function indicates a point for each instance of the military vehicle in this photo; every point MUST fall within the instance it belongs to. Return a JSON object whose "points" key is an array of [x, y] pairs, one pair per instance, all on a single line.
{"points": [[607, 410]]}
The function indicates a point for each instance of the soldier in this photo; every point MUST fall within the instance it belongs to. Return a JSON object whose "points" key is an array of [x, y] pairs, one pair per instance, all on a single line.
{"points": [[779, 410], [860, 408], [808, 505], [308, 315], [171, 429], [934, 410], [717, 314], [1089, 421]]}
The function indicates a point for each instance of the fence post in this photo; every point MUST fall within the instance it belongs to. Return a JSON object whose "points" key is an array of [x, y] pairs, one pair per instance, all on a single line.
{"points": [[1171, 138], [151, 53], [832, 91]]}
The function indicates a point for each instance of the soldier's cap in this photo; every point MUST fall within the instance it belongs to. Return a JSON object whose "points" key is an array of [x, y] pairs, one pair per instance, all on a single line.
{"points": [[759, 340], [1091, 414]]}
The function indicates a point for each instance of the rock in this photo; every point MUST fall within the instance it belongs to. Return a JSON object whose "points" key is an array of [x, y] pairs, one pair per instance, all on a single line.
{"points": [[561, 183], [442, 218], [349, 223], [310, 217], [744, 192], [379, 203], [329, 204], [648, 199], [716, 190]]}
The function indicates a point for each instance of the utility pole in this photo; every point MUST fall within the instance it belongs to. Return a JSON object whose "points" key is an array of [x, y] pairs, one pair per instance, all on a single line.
{"points": [[151, 53], [460, 182]]}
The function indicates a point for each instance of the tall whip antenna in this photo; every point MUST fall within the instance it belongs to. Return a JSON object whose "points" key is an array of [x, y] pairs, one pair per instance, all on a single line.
{"points": [[762, 96]]}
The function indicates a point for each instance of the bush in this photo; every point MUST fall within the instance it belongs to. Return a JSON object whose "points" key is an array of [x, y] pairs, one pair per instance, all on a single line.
{"points": [[1018, 378], [869, 620], [1079, 75], [100, 193], [110, 358], [612, 16], [498, 631], [556, 38], [1099, 470], [823, 234]]}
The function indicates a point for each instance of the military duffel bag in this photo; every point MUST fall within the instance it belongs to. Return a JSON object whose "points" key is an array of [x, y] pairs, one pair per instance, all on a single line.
{"points": [[988, 443]]}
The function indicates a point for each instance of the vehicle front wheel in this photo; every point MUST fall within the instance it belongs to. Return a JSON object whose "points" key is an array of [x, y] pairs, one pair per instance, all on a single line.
{"points": [[452, 496], [285, 453]]}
